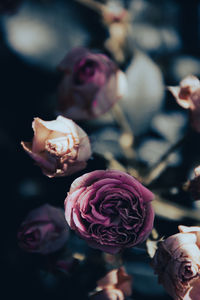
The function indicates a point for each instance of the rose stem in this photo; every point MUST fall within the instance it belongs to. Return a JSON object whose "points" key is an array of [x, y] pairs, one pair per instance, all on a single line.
{"points": [[127, 138], [171, 211], [114, 164], [163, 163]]}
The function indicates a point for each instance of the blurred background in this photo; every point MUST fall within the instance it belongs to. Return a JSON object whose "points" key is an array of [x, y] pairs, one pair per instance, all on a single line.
{"points": [[162, 46]]}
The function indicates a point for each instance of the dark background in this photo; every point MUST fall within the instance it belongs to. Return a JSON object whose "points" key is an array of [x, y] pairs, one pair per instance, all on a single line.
{"points": [[28, 88]]}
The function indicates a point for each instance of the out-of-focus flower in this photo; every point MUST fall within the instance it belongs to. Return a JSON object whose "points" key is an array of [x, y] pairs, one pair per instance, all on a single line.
{"points": [[9, 6], [116, 285], [117, 21], [91, 84], [59, 147], [108, 294], [188, 96], [66, 266], [193, 186], [177, 263], [44, 230], [111, 210]]}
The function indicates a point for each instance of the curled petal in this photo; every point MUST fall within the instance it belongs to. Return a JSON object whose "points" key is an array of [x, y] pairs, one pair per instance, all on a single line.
{"points": [[187, 95], [175, 90]]}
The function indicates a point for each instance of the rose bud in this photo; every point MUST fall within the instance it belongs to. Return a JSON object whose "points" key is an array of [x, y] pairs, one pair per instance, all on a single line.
{"points": [[111, 210], [91, 84], [188, 96], [177, 263], [59, 147], [9, 6], [44, 230], [115, 285]]}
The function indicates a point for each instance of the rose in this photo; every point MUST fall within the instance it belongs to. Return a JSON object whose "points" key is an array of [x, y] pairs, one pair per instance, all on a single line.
{"points": [[91, 84], [44, 230], [188, 96], [9, 6], [177, 263], [59, 147], [111, 210], [116, 285]]}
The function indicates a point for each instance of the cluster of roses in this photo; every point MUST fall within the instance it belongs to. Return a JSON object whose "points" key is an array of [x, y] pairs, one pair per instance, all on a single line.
{"points": [[110, 209]]}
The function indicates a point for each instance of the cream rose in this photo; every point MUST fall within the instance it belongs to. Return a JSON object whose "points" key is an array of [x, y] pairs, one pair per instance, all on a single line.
{"points": [[59, 147]]}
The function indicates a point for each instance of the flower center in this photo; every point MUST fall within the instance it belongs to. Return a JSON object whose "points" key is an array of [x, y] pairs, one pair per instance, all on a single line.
{"points": [[85, 71], [31, 239], [185, 93], [58, 146], [189, 271]]}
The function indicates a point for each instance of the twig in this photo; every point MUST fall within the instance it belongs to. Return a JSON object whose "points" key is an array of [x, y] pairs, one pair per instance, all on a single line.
{"points": [[171, 211], [126, 140], [163, 163], [116, 165], [93, 5]]}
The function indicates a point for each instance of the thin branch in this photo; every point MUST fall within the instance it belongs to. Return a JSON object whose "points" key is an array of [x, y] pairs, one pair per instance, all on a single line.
{"points": [[171, 211], [126, 140], [163, 163], [99, 7]]}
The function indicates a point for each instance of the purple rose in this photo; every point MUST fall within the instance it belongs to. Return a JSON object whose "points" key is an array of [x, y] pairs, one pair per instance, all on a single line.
{"points": [[111, 210], [177, 263], [91, 84], [44, 230]]}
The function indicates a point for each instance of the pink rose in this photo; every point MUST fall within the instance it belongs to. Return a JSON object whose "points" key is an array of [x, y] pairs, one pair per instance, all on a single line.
{"points": [[111, 210], [91, 84], [44, 230], [116, 285], [188, 96], [194, 185], [59, 147], [9, 6], [177, 263]]}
